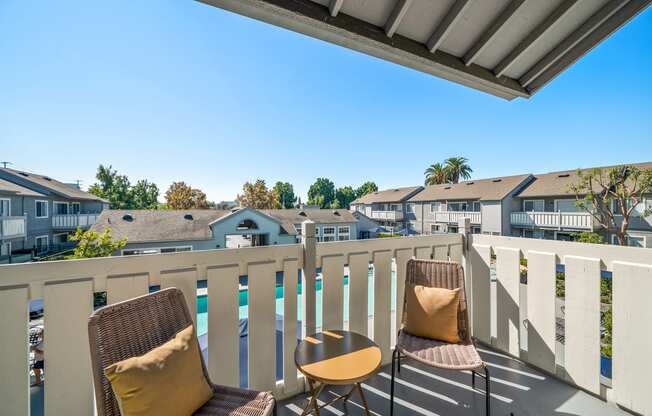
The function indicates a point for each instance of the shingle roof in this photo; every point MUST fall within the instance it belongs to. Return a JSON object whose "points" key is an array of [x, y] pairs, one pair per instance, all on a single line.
{"points": [[12, 188], [319, 216], [492, 189], [159, 225], [557, 183], [388, 195], [53, 185]]}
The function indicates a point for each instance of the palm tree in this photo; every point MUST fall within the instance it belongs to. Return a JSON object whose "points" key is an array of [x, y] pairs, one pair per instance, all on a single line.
{"points": [[457, 168], [436, 174]]}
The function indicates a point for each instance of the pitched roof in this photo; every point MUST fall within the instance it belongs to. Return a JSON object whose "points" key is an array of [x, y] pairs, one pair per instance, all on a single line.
{"points": [[492, 189], [388, 195], [558, 183], [12, 188], [319, 216], [53, 185], [159, 225]]}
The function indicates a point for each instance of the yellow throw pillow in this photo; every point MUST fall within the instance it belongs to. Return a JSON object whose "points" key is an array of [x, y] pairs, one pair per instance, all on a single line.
{"points": [[432, 312], [167, 380]]}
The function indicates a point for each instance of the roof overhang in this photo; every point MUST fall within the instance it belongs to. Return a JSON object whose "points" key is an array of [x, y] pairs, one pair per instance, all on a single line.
{"points": [[508, 48]]}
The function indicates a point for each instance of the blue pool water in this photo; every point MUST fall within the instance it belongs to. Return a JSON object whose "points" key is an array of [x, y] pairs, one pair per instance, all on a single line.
{"points": [[202, 302]]}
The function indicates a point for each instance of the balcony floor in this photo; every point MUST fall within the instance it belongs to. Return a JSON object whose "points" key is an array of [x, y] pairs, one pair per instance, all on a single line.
{"points": [[424, 391]]}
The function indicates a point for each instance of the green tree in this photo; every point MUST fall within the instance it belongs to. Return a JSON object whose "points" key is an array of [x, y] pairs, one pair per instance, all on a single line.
{"points": [[285, 194], [321, 193], [366, 188], [113, 187], [144, 195], [93, 244], [589, 237], [612, 195], [457, 168], [256, 195], [436, 174], [344, 196]]}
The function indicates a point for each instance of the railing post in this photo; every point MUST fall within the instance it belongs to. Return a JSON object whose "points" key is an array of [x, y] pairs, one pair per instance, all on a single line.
{"points": [[464, 228], [308, 278]]}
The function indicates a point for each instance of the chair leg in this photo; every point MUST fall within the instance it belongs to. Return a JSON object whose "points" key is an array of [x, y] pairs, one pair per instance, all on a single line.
{"points": [[488, 398], [391, 396]]}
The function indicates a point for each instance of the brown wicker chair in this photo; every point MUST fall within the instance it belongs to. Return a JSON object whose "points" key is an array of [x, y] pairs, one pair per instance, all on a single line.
{"points": [[136, 326], [462, 356]]}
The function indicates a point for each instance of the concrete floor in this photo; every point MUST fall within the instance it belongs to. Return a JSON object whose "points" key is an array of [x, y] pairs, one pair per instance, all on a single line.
{"points": [[422, 391]]}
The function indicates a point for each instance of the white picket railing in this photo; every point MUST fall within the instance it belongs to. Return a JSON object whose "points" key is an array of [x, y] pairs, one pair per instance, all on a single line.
{"points": [[12, 227], [387, 215], [516, 318], [456, 216], [559, 220], [72, 221]]}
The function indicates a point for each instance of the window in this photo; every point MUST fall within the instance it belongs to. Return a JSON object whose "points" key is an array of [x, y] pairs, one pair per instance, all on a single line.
{"points": [[155, 250], [394, 207], [476, 206], [247, 224], [343, 233], [533, 234], [41, 209], [566, 205], [41, 243], [435, 207], [632, 240], [60, 208], [5, 207], [452, 229], [60, 238], [75, 208], [297, 228], [533, 205], [454, 206], [410, 208], [436, 228], [328, 234], [475, 230]]}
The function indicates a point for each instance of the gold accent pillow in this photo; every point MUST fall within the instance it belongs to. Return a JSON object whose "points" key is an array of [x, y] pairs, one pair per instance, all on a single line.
{"points": [[432, 312], [168, 380]]}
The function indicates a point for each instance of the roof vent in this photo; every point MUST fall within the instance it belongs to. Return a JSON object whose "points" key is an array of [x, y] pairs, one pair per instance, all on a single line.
{"points": [[46, 178], [447, 187], [470, 183], [23, 173], [396, 190], [128, 217], [497, 180], [303, 214], [564, 175], [376, 193], [335, 212], [188, 217]]}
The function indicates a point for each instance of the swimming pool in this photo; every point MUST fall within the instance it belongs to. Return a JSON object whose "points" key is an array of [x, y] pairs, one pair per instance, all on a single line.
{"points": [[202, 302]]}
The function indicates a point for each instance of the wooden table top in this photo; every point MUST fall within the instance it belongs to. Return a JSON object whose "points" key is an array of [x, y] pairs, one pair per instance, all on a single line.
{"points": [[337, 357]]}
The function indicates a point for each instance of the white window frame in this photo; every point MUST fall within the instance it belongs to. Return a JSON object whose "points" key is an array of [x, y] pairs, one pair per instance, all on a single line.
{"points": [[47, 208], [327, 236], [8, 204], [153, 250], [72, 204], [410, 208], [40, 237], [343, 235], [534, 203], [438, 207], [475, 204], [54, 207]]}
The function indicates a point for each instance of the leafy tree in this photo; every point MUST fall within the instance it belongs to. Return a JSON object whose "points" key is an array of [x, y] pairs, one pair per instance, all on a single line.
{"points": [[344, 196], [144, 195], [321, 193], [182, 196], [93, 244], [436, 174], [113, 187], [457, 168], [611, 195], [257, 196], [589, 237], [366, 188], [285, 194]]}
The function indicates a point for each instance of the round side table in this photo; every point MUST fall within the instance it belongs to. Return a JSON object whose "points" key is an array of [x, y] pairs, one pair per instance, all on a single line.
{"points": [[336, 358]]}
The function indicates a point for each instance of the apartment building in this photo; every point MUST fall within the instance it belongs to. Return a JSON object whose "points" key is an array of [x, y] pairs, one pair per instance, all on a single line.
{"points": [[169, 231], [388, 208], [486, 202], [546, 209], [44, 209]]}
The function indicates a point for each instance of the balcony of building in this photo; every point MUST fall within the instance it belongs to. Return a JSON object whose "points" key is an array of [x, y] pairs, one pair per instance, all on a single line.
{"points": [[73, 221], [393, 215], [356, 285], [12, 227], [453, 217], [581, 221]]}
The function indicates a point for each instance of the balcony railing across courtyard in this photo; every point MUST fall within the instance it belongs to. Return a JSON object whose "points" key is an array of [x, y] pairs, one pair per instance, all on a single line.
{"points": [[387, 215], [515, 318], [72, 221], [456, 216], [558, 220], [12, 227]]}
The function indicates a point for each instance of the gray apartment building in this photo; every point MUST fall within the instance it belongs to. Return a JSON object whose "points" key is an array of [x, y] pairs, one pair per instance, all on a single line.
{"points": [[38, 212], [546, 209], [169, 231], [388, 208], [486, 202]]}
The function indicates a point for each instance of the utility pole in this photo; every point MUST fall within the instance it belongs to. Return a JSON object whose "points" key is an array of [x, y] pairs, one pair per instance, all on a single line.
{"points": [[4, 164]]}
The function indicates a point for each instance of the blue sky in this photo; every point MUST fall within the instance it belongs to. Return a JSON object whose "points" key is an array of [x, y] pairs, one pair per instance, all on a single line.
{"points": [[177, 90]]}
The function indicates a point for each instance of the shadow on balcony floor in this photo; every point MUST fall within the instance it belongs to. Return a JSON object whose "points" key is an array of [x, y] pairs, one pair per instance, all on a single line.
{"points": [[423, 391]]}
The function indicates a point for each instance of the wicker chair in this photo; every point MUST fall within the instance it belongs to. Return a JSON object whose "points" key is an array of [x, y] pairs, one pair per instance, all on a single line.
{"points": [[462, 356], [136, 326]]}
